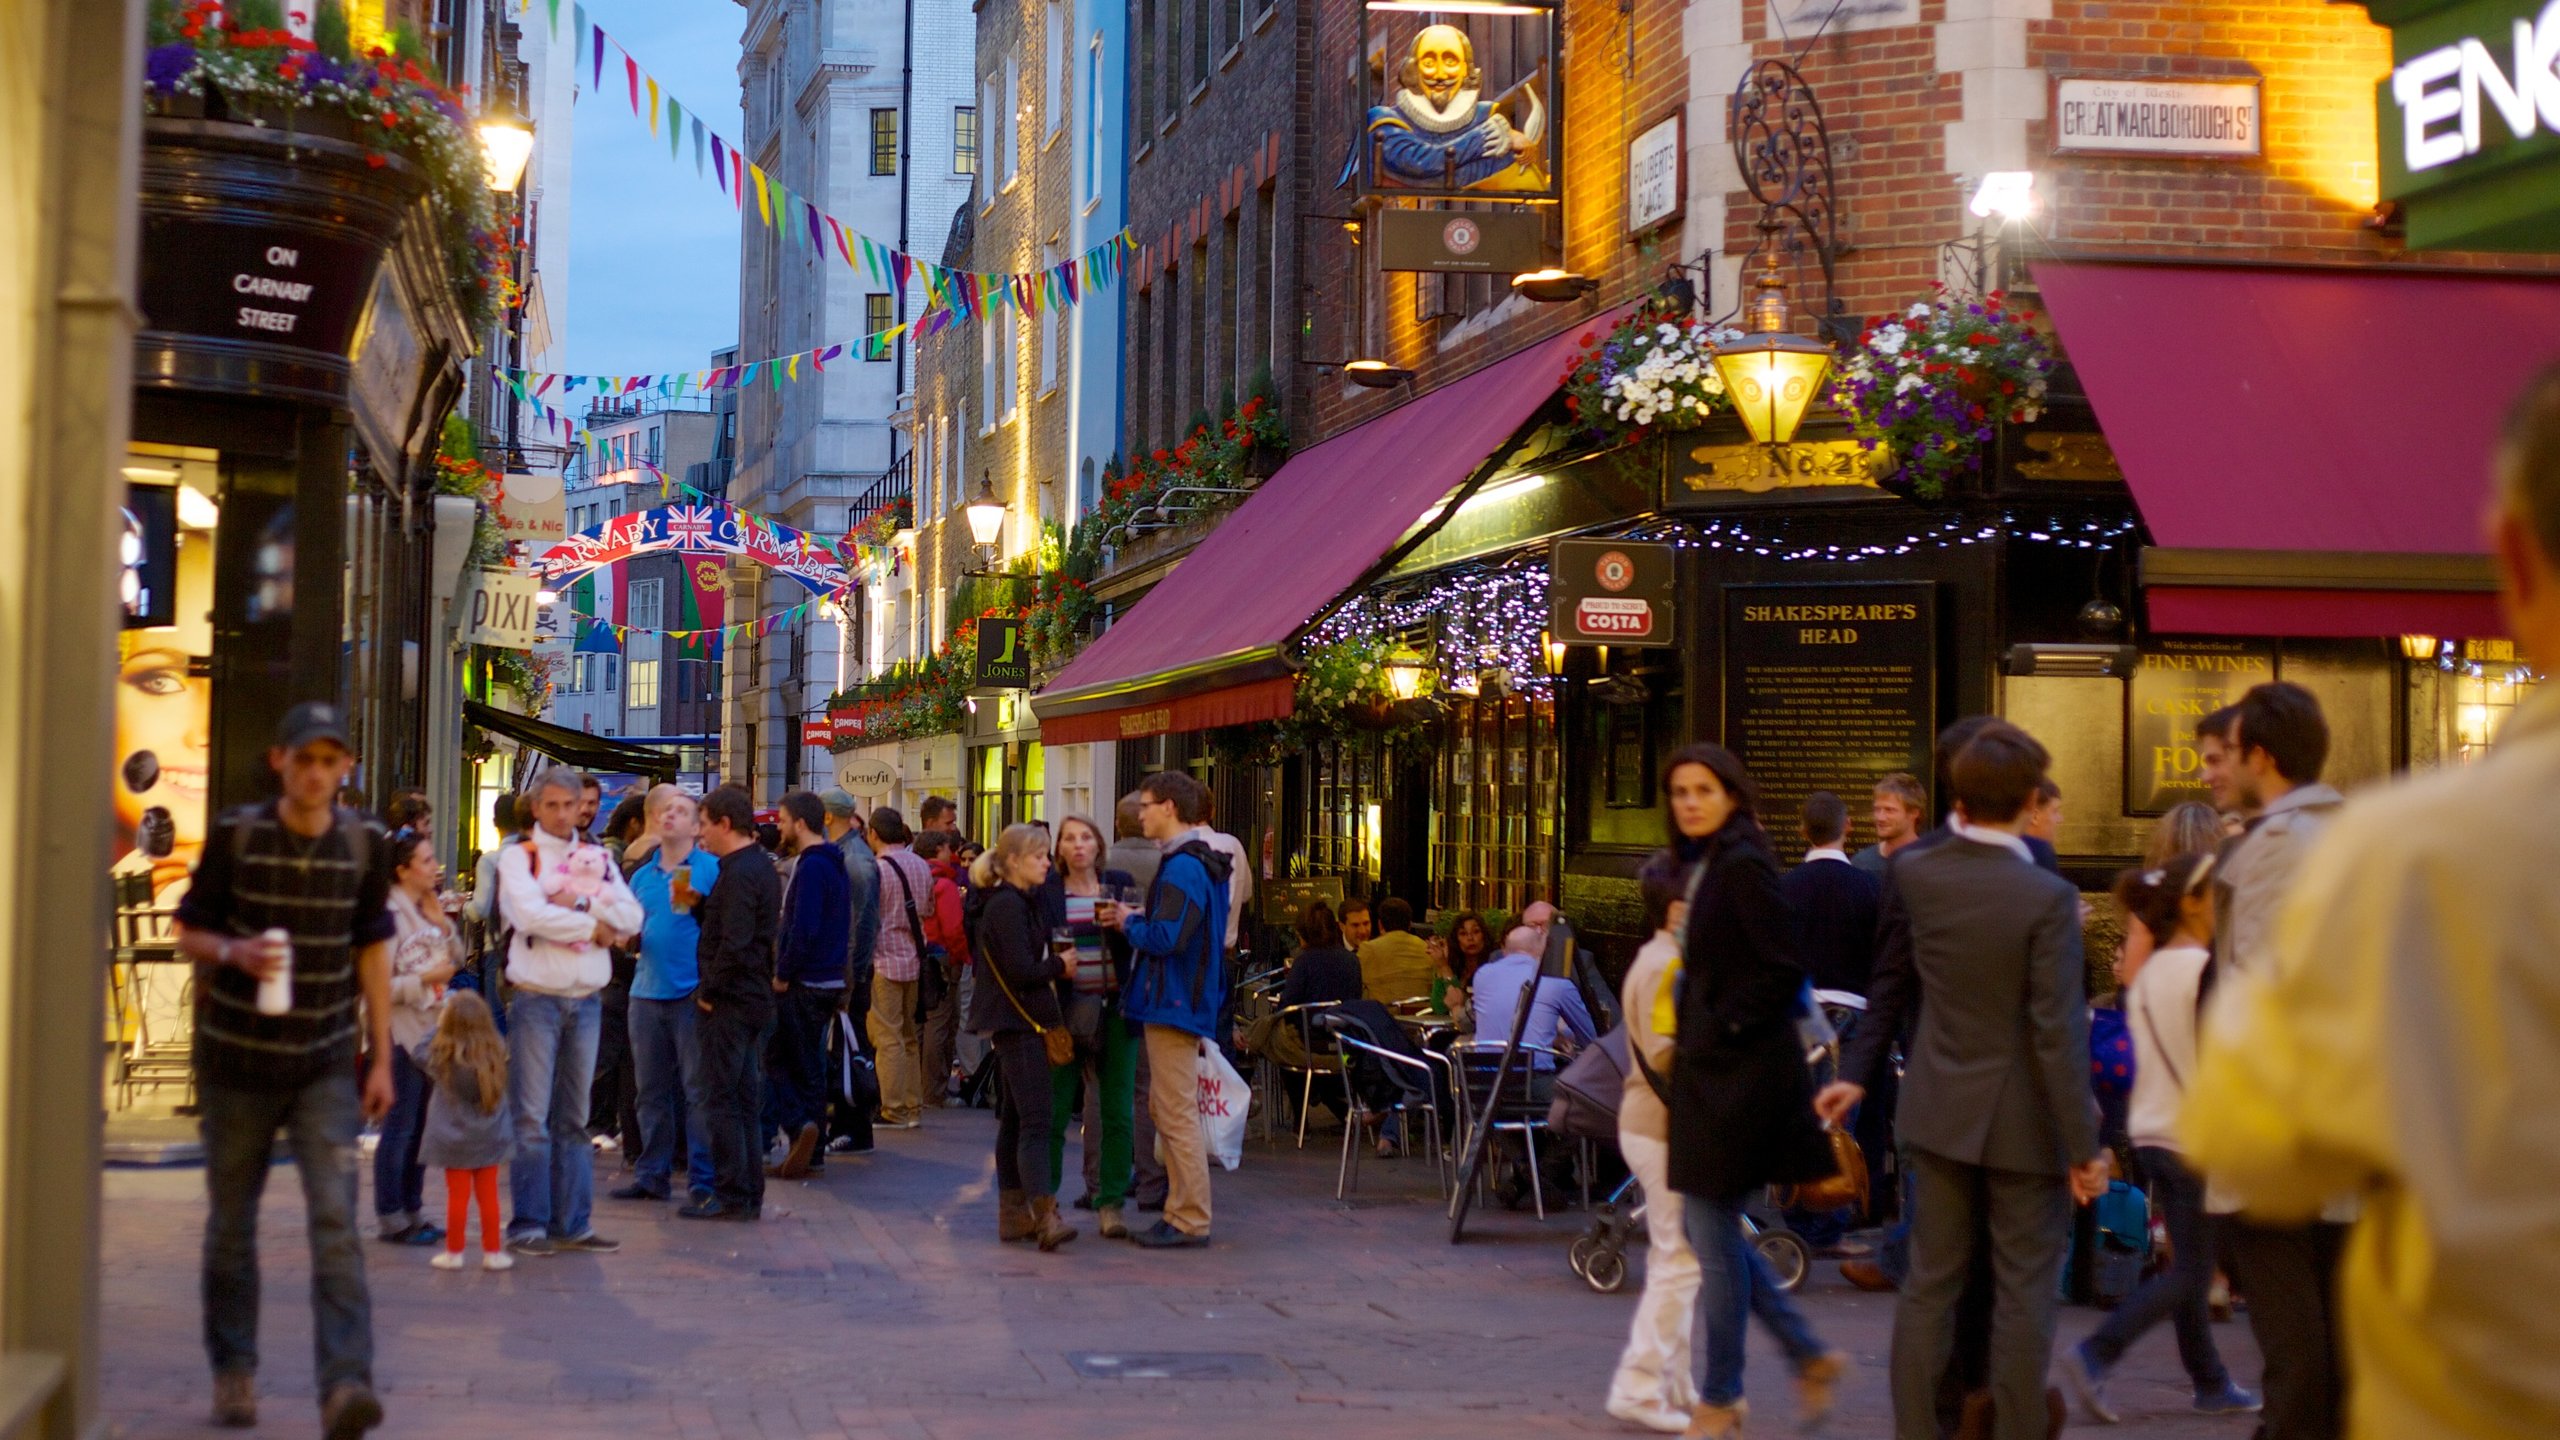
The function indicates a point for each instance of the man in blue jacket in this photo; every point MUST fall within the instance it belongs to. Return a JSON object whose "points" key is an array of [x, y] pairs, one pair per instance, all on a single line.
{"points": [[809, 981], [1176, 984]]}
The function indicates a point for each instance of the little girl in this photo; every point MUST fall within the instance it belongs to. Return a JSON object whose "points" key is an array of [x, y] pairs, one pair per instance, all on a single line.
{"points": [[468, 1129]]}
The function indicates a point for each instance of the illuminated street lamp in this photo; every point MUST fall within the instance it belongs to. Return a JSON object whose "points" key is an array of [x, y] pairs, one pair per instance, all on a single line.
{"points": [[506, 142], [985, 514], [1772, 373], [1407, 676]]}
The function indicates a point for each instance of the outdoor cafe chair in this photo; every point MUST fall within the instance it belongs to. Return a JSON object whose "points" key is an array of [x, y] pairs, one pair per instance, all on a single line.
{"points": [[1517, 1108], [1414, 1081], [1325, 1061]]}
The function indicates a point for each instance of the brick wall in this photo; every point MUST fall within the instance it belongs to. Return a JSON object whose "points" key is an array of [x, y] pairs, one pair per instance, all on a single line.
{"points": [[1216, 186]]}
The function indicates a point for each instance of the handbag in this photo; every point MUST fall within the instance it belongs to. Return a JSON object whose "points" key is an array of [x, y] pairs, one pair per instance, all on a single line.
{"points": [[1844, 1189], [1589, 1088], [1061, 1045]]}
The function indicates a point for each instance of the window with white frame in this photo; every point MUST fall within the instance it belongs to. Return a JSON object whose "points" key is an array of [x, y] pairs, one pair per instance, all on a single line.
{"points": [[992, 109], [990, 356], [949, 457], [1093, 119], [646, 607], [643, 692], [1053, 86], [964, 140], [1012, 130], [1011, 359]]}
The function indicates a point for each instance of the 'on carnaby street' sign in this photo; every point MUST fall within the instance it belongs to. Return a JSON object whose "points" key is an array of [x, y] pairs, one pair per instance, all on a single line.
{"points": [[503, 609]]}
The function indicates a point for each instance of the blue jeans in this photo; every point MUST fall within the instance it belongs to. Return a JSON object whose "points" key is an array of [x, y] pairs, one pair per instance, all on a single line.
{"points": [[1734, 1283], [551, 1065], [2179, 1294], [399, 1181], [668, 1066], [239, 1127]]}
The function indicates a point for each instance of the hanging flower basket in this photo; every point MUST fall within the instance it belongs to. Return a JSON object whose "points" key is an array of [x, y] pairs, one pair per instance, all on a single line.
{"points": [[1655, 371], [1935, 383]]}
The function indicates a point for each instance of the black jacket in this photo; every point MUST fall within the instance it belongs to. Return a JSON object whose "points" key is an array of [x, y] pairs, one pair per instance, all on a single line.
{"points": [[1835, 912], [740, 919], [1741, 1094], [1316, 976], [1013, 944]]}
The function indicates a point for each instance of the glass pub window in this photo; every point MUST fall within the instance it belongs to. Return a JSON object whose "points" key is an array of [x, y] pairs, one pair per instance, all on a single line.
{"points": [[964, 140], [884, 142]]}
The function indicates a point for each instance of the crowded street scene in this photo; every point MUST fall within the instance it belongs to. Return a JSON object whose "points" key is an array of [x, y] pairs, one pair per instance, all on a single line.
{"points": [[756, 719]]}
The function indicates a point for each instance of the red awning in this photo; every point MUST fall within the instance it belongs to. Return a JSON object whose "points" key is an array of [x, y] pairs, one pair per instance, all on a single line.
{"points": [[2321, 418], [1219, 619]]}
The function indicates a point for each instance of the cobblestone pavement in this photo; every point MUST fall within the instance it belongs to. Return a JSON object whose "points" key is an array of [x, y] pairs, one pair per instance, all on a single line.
{"points": [[875, 1303]]}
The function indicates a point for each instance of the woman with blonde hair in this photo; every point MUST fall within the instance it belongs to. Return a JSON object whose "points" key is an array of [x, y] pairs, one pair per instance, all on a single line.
{"points": [[1106, 1053], [1015, 1006], [2190, 828]]}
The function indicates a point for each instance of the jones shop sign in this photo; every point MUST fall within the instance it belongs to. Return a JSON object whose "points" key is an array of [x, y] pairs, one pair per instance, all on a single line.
{"points": [[266, 283], [2179, 683], [1004, 662], [1611, 592]]}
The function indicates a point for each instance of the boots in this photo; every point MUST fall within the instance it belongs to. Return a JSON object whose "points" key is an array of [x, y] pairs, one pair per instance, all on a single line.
{"points": [[1113, 1225], [1013, 1217], [1815, 1387], [1051, 1231], [1716, 1422]]}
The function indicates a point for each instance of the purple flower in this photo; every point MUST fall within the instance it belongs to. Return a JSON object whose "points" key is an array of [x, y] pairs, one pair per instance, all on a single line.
{"points": [[321, 70], [166, 65]]}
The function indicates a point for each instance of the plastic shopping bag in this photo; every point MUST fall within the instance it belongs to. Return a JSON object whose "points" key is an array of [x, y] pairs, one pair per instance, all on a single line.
{"points": [[1224, 1101]]}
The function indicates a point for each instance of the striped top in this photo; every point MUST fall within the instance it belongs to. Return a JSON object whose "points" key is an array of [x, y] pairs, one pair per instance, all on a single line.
{"points": [[331, 893]]}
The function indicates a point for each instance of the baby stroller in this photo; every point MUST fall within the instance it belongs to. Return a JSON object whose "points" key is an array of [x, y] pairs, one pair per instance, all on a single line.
{"points": [[1599, 1253]]}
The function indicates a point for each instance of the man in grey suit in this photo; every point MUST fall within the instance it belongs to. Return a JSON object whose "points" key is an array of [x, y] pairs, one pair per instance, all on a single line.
{"points": [[1996, 1111]]}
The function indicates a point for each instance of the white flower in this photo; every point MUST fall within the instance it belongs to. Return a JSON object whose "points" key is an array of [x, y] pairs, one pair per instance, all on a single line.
{"points": [[1908, 383], [1919, 310], [1890, 340]]}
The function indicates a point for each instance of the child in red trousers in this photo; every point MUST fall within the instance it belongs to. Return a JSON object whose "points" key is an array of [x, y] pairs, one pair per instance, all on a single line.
{"points": [[468, 1129]]}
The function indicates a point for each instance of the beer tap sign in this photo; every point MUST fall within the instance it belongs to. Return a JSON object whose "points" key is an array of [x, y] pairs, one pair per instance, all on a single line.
{"points": [[1458, 102]]}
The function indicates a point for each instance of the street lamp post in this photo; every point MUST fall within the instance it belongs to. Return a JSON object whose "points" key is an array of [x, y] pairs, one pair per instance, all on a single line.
{"points": [[985, 514], [1784, 152]]}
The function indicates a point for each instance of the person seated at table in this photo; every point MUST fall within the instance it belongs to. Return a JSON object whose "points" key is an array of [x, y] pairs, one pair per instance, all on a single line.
{"points": [[1558, 1020], [1322, 971], [1397, 964]]}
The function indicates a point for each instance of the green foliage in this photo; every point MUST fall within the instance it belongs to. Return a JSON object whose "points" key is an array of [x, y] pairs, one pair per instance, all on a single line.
{"points": [[405, 42], [330, 32], [1216, 457], [255, 14]]}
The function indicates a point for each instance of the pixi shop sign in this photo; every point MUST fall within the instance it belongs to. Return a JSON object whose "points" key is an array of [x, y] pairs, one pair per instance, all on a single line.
{"points": [[2470, 122]]}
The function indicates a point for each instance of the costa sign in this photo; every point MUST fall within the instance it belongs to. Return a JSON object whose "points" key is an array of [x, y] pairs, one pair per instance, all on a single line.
{"points": [[1612, 592]]}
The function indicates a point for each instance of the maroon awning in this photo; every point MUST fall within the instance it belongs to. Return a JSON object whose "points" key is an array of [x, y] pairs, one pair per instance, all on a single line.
{"points": [[2309, 447], [1219, 619]]}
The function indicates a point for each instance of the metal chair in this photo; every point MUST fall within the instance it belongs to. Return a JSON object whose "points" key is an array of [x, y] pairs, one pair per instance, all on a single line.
{"points": [[1301, 1017], [1517, 1108], [1414, 1079]]}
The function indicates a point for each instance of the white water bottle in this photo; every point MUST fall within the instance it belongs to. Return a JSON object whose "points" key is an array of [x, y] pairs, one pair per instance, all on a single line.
{"points": [[275, 992]]}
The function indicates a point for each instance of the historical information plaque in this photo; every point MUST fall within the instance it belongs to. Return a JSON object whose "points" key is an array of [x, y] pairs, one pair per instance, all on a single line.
{"points": [[1828, 687]]}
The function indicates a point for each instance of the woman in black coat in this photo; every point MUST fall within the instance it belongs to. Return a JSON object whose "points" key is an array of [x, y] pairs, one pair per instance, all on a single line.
{"points": [[1015, 999], [1741, 1095]]}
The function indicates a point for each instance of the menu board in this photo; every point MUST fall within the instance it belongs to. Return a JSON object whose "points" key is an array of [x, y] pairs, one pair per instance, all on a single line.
{"points": [[1828, 687], [2178, 683]]}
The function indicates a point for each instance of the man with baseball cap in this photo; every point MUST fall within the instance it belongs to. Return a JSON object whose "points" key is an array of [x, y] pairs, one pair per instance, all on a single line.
{"points": [[288, 923]]}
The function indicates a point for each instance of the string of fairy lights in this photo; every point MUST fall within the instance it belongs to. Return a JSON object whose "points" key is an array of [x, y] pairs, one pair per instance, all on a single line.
{"points": [[1495, 617]]}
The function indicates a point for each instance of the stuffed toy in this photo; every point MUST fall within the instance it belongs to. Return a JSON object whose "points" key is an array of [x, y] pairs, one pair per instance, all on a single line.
{"points": [[580, 878]]}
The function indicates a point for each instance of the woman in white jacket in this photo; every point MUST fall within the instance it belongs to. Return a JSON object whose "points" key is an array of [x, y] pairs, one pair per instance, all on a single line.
{"points": [[1653, 1386]]}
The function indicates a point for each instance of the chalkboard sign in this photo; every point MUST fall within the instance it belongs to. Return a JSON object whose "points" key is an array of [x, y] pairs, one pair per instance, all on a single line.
{"points": [[1283, 901], [1828, 687]]}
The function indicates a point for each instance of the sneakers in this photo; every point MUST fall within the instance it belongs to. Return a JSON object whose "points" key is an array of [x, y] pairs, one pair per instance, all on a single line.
{"points": [[635, 1191], [497, 1260], [1817, 1383], [1162, 1236], [590, 1242], [1657, 1417], [795, 1163], [2087, 1382], [532, 1242], [710, 1209], [605, 1144], [235, 1399], [350, 1410], [447, 1260], [2229, 1400], [843, 1145]]}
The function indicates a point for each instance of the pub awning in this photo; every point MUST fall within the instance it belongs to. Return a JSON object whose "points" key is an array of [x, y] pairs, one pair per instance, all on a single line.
{"points": [[2309, 447], [1203, 648], [572, 747]]}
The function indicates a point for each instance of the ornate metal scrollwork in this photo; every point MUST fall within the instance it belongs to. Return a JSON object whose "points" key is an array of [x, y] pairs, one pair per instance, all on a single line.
{"points": [[1784, 152]]}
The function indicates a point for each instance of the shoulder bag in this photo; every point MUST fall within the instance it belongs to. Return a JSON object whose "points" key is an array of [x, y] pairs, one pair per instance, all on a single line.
{"points": [[932, 984]]}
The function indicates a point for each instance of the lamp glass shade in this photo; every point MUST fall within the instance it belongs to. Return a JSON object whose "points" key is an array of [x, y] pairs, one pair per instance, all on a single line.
{"points": [[2418, 647], [1772, 378], [1405, 677], [986, 516], [506, 142]]}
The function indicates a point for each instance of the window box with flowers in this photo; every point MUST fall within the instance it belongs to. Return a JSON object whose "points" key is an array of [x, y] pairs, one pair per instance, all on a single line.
{"points": [[1210, 472]]}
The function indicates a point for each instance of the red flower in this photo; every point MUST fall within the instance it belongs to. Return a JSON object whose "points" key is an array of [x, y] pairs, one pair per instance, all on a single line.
{"points": [[374, 160]]}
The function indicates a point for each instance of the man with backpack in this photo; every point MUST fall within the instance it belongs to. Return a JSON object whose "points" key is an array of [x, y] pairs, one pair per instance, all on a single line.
{"points": [[1176, 984]]}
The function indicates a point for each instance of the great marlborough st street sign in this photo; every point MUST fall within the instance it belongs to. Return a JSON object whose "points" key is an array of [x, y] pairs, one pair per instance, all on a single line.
{"points": [[2469, 122]]}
